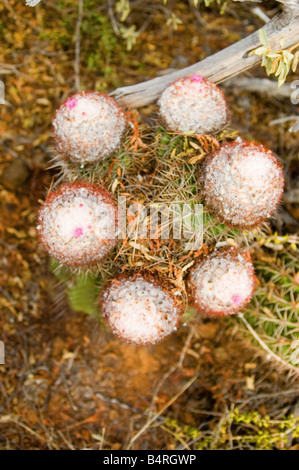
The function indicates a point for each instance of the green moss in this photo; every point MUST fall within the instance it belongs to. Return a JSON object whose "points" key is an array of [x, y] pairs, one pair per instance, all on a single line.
{"points": [[99, 46], [236, 430]]}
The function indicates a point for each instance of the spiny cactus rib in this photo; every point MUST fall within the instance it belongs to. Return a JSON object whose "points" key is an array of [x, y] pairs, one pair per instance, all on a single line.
{"points": [[193, 104], [139, 309], [242, 184], [272, 318], [77, 224], [88, 127], [221, 283]]}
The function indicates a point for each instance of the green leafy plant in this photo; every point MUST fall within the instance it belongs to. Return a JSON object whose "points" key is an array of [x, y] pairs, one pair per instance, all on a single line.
{"points": [[130, 35], [278, 62], [173, 21], [123, 8], [208, 3]]}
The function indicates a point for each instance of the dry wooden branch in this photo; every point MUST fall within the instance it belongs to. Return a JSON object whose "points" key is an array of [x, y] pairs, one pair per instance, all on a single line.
{"points": [[264, 86], [220, 66], [77, 46], [291, 197]]}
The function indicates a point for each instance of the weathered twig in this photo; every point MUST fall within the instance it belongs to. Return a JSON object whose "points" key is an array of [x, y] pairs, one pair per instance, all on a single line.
{"points": [[263, 86], [293, 128], [151, 420], [77, 46], [220, 66], [291, 197]]}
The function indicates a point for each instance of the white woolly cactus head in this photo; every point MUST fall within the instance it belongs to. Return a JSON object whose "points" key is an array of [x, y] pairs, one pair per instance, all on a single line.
{"points": [[221, 283], [140, 309], [88, 127], [193, 104], [242, 183], [77, 224]]}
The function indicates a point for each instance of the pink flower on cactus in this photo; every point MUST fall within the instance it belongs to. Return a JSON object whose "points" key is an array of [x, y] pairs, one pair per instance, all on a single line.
{"points": [[78, 232], [237, 299], [196, 78], [71, 103]]}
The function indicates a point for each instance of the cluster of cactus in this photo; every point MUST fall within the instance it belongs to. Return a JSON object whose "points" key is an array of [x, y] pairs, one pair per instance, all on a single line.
{"points": [[146, 302]]}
